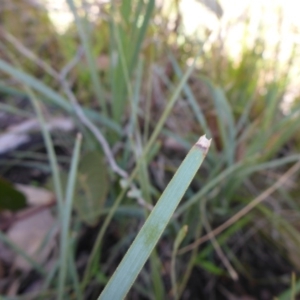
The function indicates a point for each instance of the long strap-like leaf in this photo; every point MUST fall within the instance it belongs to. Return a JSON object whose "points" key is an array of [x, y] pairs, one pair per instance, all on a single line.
{"points": [[138, 253]]}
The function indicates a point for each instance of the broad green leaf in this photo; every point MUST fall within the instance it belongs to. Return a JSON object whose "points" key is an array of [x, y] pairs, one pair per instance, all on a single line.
{"points": [[91, 188]]}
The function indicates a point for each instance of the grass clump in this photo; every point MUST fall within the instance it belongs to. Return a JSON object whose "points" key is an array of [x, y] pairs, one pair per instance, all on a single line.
{"points": [[141, 91]]}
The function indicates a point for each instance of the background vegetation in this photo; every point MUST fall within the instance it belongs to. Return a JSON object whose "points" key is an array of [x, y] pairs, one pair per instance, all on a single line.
{"points": [[141, 92]]}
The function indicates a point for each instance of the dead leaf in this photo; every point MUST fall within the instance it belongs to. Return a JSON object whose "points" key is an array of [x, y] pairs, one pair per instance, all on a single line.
{"points": [[36, 196], [29, 234]]}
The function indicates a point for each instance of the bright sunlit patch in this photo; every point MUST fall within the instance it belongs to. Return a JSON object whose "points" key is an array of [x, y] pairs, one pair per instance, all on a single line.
{"points": [[280, 25], [59, 14]]}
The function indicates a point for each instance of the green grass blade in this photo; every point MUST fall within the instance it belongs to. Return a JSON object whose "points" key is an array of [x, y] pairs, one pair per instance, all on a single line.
{"points": [[142, 33], [226, 123], [53, 97], [123, 60], [35, 84], [50, 149], [150, 144], [8, 90], [141, 248], [89, 56], [66, 216], [134, 101], [74, 274], [180, 237], [159, 292], [289, 294]]}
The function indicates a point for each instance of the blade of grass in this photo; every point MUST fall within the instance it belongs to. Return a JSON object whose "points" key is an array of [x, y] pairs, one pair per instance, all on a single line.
{"points": [[138, 11], [156, 277], [225, 261], [145, 184], [290, 294], [36, 84], [65, 219], [270, 164], [76, 284], [179, 238], [134, 101], [147, 149], [141, 33], [50, 278], [225, 123], [53, 97], [84, 36], [141, 248], [117, 75], [50, 149], [10, 91], [189, 264], [123, 60]]}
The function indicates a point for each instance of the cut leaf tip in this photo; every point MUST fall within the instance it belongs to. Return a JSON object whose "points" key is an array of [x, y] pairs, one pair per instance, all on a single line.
{"points": [[204, 143]]}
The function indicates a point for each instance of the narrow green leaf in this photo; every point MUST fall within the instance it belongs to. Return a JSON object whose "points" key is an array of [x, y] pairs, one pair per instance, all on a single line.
{"points": [[290, 292], [211, 268], [66, 217], [142, 33], [141, 248], [35, 84], [179, 238], [84, 36]]}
